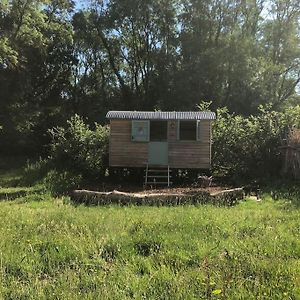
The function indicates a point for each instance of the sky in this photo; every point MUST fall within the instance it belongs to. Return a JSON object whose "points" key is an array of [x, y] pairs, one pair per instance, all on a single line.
{"points": [[79, 4]]}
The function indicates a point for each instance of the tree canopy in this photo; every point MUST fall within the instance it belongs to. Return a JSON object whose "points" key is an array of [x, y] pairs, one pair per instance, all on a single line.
{"points": [[58, 59]]}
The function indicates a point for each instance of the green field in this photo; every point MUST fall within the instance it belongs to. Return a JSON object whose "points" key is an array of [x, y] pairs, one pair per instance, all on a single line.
{"points": [[50, 249]]}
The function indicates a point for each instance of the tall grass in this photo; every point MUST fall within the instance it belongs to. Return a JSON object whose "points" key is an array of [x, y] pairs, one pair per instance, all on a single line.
{"points": [[50, 249]]}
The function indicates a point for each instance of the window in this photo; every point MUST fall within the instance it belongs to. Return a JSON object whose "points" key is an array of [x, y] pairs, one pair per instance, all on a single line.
{"points": [[200, 131], [188, 130], [158, 131], [140, 131]]}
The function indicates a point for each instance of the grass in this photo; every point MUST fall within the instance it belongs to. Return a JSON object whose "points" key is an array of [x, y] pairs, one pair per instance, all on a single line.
{"points": [[50, 249]]}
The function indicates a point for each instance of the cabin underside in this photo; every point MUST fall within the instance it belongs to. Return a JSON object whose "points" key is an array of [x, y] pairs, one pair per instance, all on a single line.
{"points": [[164, 146]]}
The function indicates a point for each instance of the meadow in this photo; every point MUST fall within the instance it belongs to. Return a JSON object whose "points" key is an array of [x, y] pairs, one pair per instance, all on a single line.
{"points": [[51, 249]]}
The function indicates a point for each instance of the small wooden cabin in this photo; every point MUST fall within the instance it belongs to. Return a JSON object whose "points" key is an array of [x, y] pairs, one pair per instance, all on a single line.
{"points": [[175, 139]]}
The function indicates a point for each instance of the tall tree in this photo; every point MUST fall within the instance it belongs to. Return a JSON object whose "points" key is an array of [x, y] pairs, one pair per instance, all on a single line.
{"points": [[35, 65], [142, 55]]}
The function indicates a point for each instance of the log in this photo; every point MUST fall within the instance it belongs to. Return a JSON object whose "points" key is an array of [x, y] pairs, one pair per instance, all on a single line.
{"points": [[235, 191], [92, 197], [230, 196], [116, 195], [225, 197]]}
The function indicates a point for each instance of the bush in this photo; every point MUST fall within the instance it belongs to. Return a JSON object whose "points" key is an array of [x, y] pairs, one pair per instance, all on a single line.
{"points": [[61, 183], [248, 147], [79, 149]]}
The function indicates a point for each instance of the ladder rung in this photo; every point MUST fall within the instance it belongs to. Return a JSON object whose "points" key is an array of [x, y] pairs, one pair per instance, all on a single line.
{"points": [[160, 182], [152, 170], [160, 172], [157, 176]]}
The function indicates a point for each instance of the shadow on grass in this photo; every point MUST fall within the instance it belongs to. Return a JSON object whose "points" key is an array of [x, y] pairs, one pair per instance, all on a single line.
{"points": [[22, 193], [10, 178], [286, 191], [13, 195], [12, 185]]}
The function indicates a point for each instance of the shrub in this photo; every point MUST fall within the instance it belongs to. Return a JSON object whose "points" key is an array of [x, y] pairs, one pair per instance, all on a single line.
{"points": [[248, 147], [61, 183], [79, 149]]}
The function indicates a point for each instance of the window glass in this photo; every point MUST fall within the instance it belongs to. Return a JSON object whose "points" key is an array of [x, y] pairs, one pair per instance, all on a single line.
{"points": [[158, 130], [140, 131], [187, 130]]}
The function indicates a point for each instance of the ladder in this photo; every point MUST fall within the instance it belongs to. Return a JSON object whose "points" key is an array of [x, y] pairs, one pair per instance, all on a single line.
{"points": [[155, 175]]}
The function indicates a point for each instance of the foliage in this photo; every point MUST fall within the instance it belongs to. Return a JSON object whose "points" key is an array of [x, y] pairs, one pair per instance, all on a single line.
{"points": [[35, 63], [249, 146], [61, 183], [52, 250], [36, 171], [79, 149], [57, 60]]}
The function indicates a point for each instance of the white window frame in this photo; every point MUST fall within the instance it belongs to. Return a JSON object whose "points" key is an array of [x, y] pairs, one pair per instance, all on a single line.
{"points": [[198, 124], [136, 122]]}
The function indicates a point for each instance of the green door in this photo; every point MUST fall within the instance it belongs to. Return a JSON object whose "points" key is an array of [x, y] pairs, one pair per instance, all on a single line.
{"points": [[158, 153]]}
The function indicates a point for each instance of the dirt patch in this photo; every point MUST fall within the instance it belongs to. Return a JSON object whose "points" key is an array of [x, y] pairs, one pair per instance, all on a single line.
{"points": [[160, 197], [183, 190]]}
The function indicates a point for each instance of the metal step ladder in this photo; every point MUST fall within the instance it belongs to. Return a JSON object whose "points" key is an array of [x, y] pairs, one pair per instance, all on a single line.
{"points": [[155, 175]]}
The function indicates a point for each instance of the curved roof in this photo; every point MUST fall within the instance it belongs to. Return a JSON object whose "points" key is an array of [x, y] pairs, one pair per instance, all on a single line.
{"points": [[162, 115]]}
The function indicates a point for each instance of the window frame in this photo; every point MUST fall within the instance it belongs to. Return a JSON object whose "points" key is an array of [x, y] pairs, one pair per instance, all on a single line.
{"points": [[198, 124], [148, 133], [196, 133]]}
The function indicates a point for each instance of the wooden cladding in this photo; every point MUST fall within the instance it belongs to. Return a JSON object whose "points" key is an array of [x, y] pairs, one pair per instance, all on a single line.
{"points": [[172, 130], [189, 155], [123, 152]]}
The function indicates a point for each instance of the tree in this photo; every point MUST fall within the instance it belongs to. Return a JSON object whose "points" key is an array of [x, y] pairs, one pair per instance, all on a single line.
{"points": [[35, 66], [142, 55]]}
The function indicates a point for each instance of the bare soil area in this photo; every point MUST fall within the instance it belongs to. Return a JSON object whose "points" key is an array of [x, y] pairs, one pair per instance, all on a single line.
{"points": [[183, 190]]}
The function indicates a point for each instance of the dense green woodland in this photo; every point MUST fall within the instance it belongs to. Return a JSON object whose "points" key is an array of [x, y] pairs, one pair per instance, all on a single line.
{"points": [[63, 66], [241, 57]]}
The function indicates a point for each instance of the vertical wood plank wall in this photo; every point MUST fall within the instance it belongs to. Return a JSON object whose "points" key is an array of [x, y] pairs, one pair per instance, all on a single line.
{"points": [[182, 154], [191, 154], [122, 151]]}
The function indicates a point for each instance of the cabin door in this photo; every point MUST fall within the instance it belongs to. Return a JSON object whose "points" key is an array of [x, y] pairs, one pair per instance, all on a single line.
{"points": [[158, 144], [158, 153]]}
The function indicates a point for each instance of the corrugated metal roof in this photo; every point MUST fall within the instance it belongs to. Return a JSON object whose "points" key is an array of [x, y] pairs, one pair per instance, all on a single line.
{"points": [[162, 115]]}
